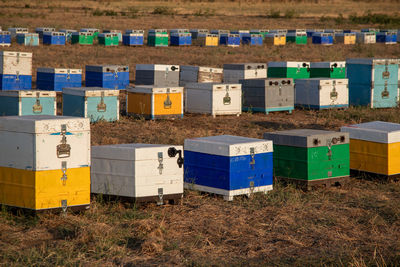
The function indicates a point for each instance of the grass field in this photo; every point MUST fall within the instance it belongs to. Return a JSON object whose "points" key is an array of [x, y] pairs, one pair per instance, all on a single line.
{"points": [[356, 225]]}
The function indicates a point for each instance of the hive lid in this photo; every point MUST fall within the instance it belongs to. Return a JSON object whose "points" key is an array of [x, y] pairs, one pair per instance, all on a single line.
{"points": [[375, 131], [132, 152], [307, 138], [246, 66], [107, 68], [68, 30], [211, 86], [228, 145], [288, 64], [37, 124], [147, 89], [28, 93], [322, 81], [201, 69], [60, 70], [372, 61], [159, 67], [15, 54], [328, 64], [264, 82], [90, 91]]}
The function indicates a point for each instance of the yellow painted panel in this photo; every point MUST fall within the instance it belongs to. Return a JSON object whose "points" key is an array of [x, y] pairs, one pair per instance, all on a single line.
{"points": [[369, 156], [394, 158], [349, 39], [280, 40], [17, 187], [139, 103], [211, 41], [168, 104]]}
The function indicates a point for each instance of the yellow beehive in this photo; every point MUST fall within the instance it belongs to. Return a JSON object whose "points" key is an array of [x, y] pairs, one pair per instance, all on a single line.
{"points": [[207, 39], [275, 39], [375, 147], [345, 38], [153, 102], [48, 164]]}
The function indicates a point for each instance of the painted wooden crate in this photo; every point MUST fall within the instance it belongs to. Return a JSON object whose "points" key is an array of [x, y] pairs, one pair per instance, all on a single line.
{"points": [[118, 32], [389, 37], [27, 102], [374, 30], [195, 74], [366, 37], [141, 172], [133, 37], [375, 148], [213, 98], [94, 103], [322, 38], [252, 39], [329, 69], [289, 69], [181, 39], [155, 102], [157, 37], [179, 31], [5, 38], [275, 39], [28, 39], [196, 32], [42, 30], [107, 76], [15, 31], [48, 162], [94, 31], [231, 40], [298, 37], [228, 165], [83, 38], [55, 79], [310, 157], [206, 39], [322, 93], [240, 71], [54, 38], [373, 82], [268, 95], [15, 70], [68, 34], [108, 39], [345, 38], [157, 74]]}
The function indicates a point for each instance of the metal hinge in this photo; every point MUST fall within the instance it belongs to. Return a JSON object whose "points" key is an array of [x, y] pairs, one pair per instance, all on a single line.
{"points": [[102, 107], [37, 107], [252, 155], [160, 162], [63, 149], [160, 196], [64, 177]]}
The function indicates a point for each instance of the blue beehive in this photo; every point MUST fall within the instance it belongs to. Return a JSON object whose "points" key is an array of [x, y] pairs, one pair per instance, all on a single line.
{"points": [[107, 76], [28, 39], [42, 30], [133, 37], [232, 40], [198, 32], [91, 102], [180, 39], [310, 32], [373, 82], [252, 39], [27, 102], [15, 70], [54, 38], [55, 79], [322, 38], [68, 34], [240, 32], [5, 38], [387, 37], [228, 165]]}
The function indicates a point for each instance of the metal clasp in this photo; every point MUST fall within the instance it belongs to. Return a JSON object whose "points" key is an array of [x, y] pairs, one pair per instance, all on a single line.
{"points": [[64, 205], [385, 92], [63, 149], [160, 162], [167, 102], [64, 171], [386, 73], [252, 155], [102, 107], [334, 93], [68, 74], [37, 107], [17, 78], [160, 196], [329, 145], [227, 98]]}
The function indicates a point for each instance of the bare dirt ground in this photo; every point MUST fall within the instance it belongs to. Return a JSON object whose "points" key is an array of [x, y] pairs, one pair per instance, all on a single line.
{"points": [[355, 225]]}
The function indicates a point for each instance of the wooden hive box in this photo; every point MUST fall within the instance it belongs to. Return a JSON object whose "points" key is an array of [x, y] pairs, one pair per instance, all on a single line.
{"points": [[54, 38], [289, 69], [107, 76], [330, 69], [195, 74], [55, 79], [28, 39], [15, 70], [233, 73], [83, 38], [157, 74], [27, 102]]}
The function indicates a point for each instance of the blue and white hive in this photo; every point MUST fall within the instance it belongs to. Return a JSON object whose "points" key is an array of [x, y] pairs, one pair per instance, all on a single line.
{"points": [[55, 79], [15, 70]]}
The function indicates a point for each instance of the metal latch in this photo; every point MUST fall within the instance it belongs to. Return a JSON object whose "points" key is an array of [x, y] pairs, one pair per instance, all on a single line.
{"points": [[167, 102], [386, 73], [385, 92], [64, 205], [64, 171], [102, 107], [17, 78], [37, 107], [280, 90], [160, 162], [251, 187], [172, 151], [334, 93], [160, 196], [116, 73], [227, 98], [329, 145], [68, 74], [17, 57], [63, 149], [166, 73], [252, 155]]}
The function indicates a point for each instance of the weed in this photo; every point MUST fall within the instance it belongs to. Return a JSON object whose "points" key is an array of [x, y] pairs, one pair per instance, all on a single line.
{"points": [[97, 12], [163, 10], [27, 6], [290, 14], [204, 12], [274, 14], [339, 19]]}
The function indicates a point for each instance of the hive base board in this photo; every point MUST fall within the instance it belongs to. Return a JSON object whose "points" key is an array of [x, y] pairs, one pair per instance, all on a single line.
{"points": [[307, 185], [26, 211], [5, 45], [322, 107], [156, 117], [215, 115], [374, 176], [268, 110], [228, 194], [174, 199]]}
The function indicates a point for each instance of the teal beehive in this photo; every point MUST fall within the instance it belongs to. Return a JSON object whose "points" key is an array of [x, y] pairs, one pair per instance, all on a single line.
{"points": [[27, 102]]}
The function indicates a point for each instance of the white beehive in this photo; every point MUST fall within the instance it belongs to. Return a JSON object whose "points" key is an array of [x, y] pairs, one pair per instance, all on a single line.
{"points": [[213, 98], [235, 72], [15, 63], [195, 74], [141, 171]]}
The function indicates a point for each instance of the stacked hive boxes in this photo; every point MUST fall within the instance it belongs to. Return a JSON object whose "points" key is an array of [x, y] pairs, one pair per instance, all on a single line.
{"points": [[157, 74], [228, 165], [233, 73], [27, 102], [195, 74], [142, 172], [48, 162], [55, 79], [181, 37], [231, 40], [15, 70], [107, 76], [28, 39]]}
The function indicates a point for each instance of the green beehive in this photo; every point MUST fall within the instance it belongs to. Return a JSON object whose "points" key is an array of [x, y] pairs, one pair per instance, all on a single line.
{"points": [[157, 37], [296, 37], [289, 69], [108, 39], [311, 157], [94, 31], [83, 38], [334, 69]]}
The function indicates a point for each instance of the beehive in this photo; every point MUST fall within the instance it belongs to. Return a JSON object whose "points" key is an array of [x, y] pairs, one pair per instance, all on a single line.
{"points": [[26, 102], [157, 37], [207, 39], [345, 38], [366, 37], [375, 147], [268, 95], [28, 39], [48, 162], [389, 37], [54, 38], [108, 39], [373, 82], [133, 37], [83, 38], [310, 157], [289, 69], [42, 30], [157, 74], [94, 31], [297, 37], [117, 32], [322, 38], [5, 38], [279, 31], [241, 33], [15, 70], [195, 74], [142, 172], [155, 102], [241, 71], [196, 32], [94, 103], [179, 31], [181, 39], [330, 69], [55, 79], [275, 39], [15, 31], [252, 39], [68, 34], [322, 93], [228, 165], [231, 40], [213, 98], [107, 76], [374, 30]]}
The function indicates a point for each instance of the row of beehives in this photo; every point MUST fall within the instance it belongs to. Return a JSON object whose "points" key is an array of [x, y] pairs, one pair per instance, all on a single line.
{"points": [[50, 164], [203, 37]]}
